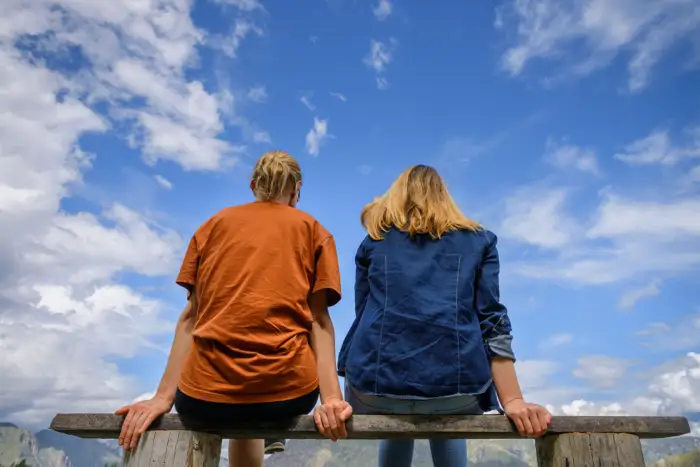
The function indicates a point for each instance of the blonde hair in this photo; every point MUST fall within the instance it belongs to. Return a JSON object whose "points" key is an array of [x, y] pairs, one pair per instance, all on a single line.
{"points": [[275, 175], [418, 203]]}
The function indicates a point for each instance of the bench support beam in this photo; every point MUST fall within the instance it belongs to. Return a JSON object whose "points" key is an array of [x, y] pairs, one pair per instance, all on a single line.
{"points": [[175, 449], [590, 449]]}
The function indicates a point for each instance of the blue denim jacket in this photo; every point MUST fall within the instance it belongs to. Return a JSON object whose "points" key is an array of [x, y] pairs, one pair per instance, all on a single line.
{"points": [[427, 317]]}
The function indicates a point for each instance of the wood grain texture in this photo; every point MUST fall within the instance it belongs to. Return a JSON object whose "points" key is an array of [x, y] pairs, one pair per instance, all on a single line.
{"points": [[175, 449], [107, 426], [590, 450]]}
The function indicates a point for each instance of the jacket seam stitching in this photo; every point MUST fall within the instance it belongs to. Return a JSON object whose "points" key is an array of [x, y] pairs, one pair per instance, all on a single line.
{"points": [[459, 365], [381, 328]]}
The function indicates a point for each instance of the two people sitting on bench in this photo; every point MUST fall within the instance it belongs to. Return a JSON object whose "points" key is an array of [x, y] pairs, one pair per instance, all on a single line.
{"points": [[256, 341]]}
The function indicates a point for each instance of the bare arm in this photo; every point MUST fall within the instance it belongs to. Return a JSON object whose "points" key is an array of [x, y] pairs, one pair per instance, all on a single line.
{"points": [[505, 380], [323, 345], [181, 346], [140, 415]]}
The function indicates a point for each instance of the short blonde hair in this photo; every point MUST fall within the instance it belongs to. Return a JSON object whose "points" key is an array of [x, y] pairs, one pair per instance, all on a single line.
{"points": [[418, 203], [275, 175]]}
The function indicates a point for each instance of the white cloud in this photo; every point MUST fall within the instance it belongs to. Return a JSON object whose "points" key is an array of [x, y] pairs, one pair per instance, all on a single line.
{"points": [[230, 44], [163, 182], [135, 55], [587, 35], [631, 297], [339, 96], [657, 148], [636, 238], [624, 240], [316, 136], [257, 93], [307, 103], [64, 317], [382, 10], [601, 371], [364, 169], [244, 5], [681, 334], [568, 156], [379, 56], [261, 137], [556, 340], [619, 217], [537, 216], [672, 388]]}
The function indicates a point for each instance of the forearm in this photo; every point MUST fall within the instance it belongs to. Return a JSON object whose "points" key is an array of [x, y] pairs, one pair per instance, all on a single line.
{"points": [[181, 346], [505, 380], [323, 345]]}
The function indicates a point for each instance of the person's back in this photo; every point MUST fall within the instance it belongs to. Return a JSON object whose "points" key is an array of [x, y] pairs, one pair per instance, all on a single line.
{"points": [[253, 267], [421, 307], [255, 341], [430, 334]]}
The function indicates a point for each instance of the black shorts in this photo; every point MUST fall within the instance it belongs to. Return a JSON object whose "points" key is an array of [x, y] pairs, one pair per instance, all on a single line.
{"points": [[216, 412]]}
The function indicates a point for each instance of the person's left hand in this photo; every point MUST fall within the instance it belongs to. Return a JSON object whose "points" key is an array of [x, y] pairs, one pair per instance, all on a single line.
{"points": [[531, 420], [330, 418]]}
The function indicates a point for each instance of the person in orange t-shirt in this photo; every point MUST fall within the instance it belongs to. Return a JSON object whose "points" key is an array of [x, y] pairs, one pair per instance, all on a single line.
{"points": [[255, 340]]}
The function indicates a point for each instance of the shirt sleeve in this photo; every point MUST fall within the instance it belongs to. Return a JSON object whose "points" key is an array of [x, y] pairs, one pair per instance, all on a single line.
{"points": [[327, 271], [493, 315], [361, 281], [188, 271]]}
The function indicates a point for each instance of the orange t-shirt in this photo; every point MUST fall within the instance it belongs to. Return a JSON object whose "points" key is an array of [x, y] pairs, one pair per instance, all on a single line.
{"points": [[253, 268]]}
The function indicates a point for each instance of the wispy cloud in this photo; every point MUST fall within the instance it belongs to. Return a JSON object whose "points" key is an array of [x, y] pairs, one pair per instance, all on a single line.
{"points": [[257, 93], [316, 136], [563, 155], [623, 238], [382, 10], [163, 182], [244, 5], [601, 371], [364, 169], [229, 44], [681, 334], [537, 216], [658, 148], [556, 340], [588, 34], [339, 96], [306, 100], [632, 296], [379, 56]]}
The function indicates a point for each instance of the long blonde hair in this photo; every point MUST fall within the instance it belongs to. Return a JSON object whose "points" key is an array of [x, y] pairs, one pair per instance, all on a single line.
{"points": [[275, 175], [418, 203]]}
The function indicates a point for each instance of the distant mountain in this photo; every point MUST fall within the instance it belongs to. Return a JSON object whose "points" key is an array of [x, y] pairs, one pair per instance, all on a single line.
{"points": [[81, 452], [689, 459], [50, 449], [19, 444]]}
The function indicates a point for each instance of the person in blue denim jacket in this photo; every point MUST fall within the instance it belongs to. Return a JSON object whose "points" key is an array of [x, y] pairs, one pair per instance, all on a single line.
{"points": [[430, 335]]}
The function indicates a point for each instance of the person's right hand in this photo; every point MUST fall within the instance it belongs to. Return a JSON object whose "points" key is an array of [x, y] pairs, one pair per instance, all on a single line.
{"points": [[330, 418], [531, 420], [139, 417]]}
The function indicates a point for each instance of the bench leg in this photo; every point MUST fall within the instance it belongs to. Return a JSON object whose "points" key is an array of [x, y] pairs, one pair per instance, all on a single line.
{"points": [[175, 449], [589, 450]]}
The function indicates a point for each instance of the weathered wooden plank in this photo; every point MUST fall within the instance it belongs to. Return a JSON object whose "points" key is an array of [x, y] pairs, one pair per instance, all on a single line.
{"points": [[590, 450], [383, 426], [175, 449]]}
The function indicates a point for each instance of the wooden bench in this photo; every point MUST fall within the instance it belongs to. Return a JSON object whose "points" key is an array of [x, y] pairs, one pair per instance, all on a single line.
{"points": [[570, 441]]}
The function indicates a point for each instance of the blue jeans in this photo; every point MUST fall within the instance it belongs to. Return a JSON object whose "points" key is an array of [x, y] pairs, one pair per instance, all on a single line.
{"points": [[399, 452]]}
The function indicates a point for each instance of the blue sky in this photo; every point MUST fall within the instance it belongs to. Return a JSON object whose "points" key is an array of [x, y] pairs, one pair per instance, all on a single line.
{"points": [[570, 128]]}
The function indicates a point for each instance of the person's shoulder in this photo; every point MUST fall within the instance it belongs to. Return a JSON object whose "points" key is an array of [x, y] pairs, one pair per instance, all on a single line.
{"points": [[482, 236]]}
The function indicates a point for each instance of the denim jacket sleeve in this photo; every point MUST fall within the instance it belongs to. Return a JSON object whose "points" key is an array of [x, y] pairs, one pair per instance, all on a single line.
{"points": [[493, 316], [361, 280]]}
